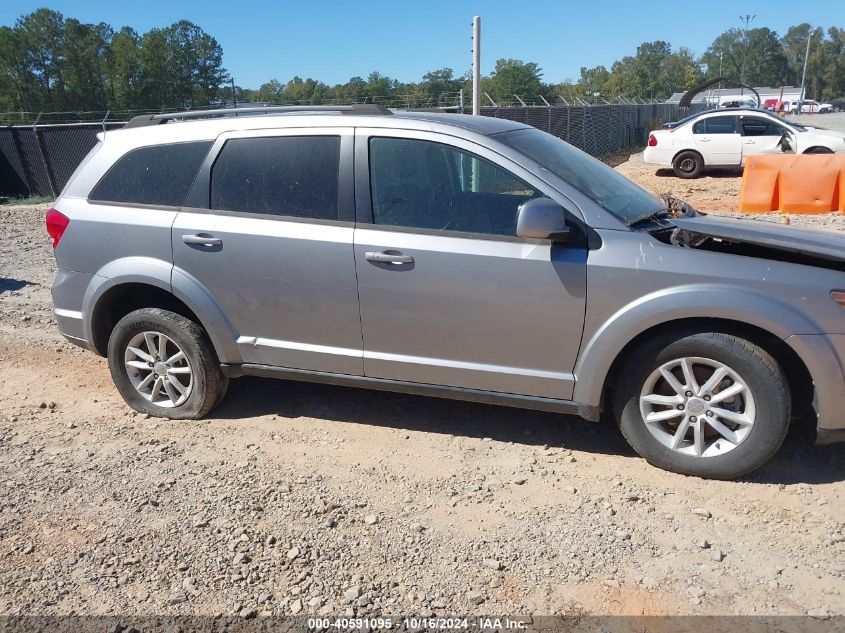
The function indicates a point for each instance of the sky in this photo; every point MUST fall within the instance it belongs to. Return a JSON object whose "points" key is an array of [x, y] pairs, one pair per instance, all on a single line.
{"points": [[332, 40]]}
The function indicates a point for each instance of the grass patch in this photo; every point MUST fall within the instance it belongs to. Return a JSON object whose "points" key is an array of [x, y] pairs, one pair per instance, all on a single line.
{"points": [[620, 156], [30, 201]]}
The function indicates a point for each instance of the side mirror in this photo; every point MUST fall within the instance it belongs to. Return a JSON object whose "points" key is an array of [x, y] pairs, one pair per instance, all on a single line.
{"points": [[542, 219]]}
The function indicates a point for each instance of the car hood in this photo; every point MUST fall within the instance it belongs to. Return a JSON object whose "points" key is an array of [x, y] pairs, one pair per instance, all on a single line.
{"points": [[822, 132], [821, 244]]}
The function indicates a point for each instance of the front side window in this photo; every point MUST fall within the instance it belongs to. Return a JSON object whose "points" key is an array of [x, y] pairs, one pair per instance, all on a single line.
{"points": [[753, 126], [601, 184], [295, 176], [159, 175], [428, 185]]}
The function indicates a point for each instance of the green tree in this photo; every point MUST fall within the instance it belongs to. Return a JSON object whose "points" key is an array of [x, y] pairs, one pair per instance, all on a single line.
{"points": [[125, 71], [381, 89], [436, 85], [42, 37], [85, 51], [19, 88], [515, 77], [649, 68], [594, 82], [271, 92], [760, 62], [828, 72], [680, 72]]}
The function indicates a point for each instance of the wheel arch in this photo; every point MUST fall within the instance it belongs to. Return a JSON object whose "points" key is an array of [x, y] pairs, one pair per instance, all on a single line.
{"points": [[119, 289], [797, 374], [818, 149], [118, 300], [732, 309], [690, 150]]}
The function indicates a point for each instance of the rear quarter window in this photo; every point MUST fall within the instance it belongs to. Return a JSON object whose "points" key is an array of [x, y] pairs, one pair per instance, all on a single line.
{"points": [[159, 175]]}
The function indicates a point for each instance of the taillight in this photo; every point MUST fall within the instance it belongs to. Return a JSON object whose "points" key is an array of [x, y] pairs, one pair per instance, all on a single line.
{"points": [[839, 297], [56, 224], [652, 140]]}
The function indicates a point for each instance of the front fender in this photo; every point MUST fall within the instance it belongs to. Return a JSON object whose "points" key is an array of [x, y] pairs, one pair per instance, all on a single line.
{"points": [[667, 305]]}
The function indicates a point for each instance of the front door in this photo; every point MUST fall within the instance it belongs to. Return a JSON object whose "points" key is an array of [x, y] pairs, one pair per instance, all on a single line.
{"points": [[273, 246], [760, 135], [449, 296], [718, 141]]}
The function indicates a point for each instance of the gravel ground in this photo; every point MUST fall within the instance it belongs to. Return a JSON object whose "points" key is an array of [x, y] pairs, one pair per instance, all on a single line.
{"points": [[300, 498], [718, 189], [829, 120], [716, 192]]}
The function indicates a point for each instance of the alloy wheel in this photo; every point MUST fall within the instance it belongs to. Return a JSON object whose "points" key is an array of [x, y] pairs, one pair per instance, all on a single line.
{"points": [[158, 369], [697, 406]]}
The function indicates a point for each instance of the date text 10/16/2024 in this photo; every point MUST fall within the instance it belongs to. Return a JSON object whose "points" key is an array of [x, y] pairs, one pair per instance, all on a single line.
{"points": [[416, 623]]}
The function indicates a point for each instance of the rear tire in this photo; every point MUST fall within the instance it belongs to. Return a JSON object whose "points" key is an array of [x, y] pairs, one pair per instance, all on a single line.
{"points": [[723, 437], [164, 364], [688, 164]]}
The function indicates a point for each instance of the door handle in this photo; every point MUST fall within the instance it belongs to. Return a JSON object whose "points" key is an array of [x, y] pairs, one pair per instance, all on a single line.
{"points": [[704, 140], [749, 142], [202, 239], [388, 257]]}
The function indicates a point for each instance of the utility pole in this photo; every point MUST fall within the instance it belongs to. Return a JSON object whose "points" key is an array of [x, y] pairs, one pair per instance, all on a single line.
{"points": [[804, 74], [742, 79], [476, 65]]}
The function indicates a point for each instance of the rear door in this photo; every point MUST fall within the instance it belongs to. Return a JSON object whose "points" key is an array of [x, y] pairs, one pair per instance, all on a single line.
{"points": [[269, 235], [449, 296], [760, 135], [717, 139]]}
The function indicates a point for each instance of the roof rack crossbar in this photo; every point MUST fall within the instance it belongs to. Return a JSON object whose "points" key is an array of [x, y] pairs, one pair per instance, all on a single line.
{"points": [[156, 119]]}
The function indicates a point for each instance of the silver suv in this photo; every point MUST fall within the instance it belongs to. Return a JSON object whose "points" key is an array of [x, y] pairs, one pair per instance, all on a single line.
{"points": [[444, 255]]}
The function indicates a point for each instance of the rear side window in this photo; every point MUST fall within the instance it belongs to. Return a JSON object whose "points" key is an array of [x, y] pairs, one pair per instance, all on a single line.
{"points": [[287, 175], [159, 175], [716, 125]]}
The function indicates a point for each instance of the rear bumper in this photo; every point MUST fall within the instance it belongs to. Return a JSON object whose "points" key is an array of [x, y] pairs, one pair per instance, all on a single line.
{"points": [[68, 292], [657, 156], [824, 356]]}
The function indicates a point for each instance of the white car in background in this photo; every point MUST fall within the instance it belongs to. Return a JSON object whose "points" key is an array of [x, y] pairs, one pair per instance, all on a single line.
{"points": [[726, 137], [808, 106]]}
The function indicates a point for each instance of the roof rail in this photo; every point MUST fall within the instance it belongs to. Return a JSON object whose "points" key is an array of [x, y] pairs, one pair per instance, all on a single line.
{"points": [[155, 119]]}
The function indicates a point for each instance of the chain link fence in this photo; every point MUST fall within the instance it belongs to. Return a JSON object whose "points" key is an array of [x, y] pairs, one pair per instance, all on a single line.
{"points": [[39, 159]]}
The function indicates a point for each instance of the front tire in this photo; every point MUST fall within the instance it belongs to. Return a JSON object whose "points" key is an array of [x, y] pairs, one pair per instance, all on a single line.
{"points": [[706, 404], [164, 364], [688, 165]]}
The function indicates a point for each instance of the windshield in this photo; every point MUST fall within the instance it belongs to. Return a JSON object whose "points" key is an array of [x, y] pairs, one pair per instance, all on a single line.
{"points": [[597, 181], [797, 126]]}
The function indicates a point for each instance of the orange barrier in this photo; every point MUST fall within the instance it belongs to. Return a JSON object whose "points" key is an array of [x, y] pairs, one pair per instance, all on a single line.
{"points": [[805, 183]]}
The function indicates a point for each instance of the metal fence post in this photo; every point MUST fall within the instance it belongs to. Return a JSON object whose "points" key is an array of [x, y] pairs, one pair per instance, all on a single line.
{"points": [[40, 142]]}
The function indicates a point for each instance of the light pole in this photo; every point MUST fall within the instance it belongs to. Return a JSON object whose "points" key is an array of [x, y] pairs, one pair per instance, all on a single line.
{"points": [[747, 19], [476, 65], [804, 74]]}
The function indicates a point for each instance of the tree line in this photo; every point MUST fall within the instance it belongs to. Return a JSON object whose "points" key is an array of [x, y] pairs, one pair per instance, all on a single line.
{"points": [[757, 57], [57, 64]]}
